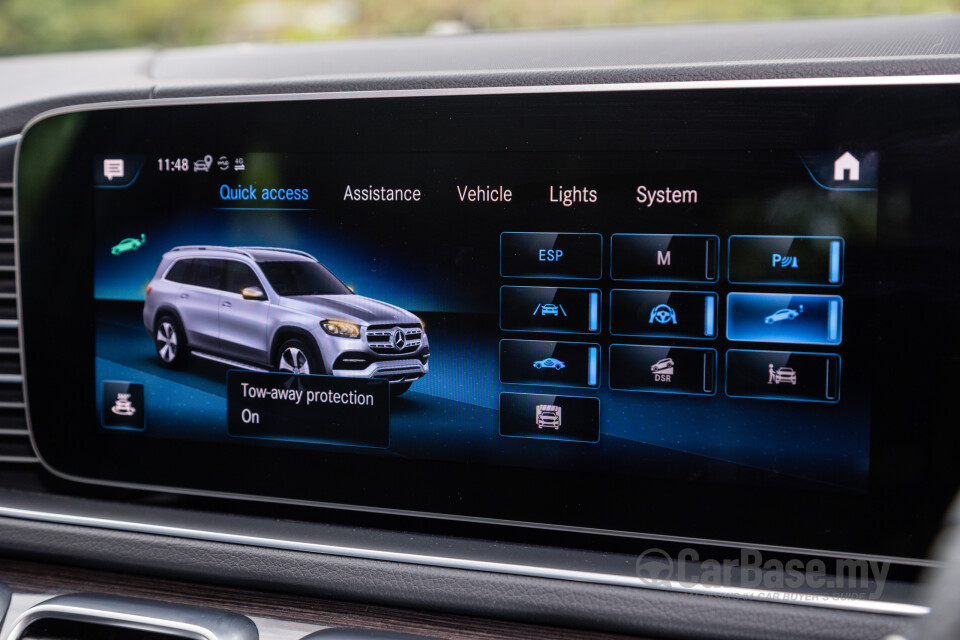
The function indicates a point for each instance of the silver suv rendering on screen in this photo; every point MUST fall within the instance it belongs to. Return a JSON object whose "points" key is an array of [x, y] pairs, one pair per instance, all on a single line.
{"points": [[277, 309]]}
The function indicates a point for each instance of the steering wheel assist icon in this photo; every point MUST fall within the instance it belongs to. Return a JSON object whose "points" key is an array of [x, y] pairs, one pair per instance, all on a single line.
{"points": [[663, 314]]}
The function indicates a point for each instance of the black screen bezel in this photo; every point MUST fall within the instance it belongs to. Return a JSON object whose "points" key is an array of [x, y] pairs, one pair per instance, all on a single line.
{"points": [[55, 231]]}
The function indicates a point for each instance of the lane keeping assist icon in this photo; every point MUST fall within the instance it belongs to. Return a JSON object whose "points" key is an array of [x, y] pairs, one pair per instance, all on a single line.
{"points": [[550, 309]]}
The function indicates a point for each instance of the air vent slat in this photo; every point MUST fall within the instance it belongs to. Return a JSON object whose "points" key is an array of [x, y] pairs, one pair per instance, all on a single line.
{"points": [[8, 309], [8, 283], [11, 392], [15, 444], [9, 336], [9, 365], [6, 215], [12, 418], [16, 448]]}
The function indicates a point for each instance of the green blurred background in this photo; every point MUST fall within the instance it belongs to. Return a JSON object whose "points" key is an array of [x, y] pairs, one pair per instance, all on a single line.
{"points": [[33, 26]]}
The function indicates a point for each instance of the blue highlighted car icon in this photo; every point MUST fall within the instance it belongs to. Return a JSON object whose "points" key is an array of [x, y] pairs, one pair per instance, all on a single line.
{"points": [[549, 363], [783, 314]]}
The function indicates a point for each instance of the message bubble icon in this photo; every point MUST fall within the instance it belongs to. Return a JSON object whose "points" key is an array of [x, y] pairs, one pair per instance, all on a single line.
{"points": [[112, 168]]}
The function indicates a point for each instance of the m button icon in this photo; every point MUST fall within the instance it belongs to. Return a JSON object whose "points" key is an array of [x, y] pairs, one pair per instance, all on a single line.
{"points": [[664, 258]]}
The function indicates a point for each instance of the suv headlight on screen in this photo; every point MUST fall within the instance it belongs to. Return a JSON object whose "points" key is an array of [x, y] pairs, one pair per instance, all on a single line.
{"points": [[341, 328]]}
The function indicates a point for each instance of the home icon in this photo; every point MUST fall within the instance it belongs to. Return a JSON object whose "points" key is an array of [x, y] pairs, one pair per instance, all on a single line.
{"points": [[846, 167]]}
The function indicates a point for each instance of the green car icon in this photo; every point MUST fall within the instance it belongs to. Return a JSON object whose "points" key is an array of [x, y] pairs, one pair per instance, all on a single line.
{"points": [[128, 244]]}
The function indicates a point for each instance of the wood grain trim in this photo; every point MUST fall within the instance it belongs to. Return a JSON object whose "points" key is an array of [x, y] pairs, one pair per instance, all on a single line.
{"points": [[34, 577]]}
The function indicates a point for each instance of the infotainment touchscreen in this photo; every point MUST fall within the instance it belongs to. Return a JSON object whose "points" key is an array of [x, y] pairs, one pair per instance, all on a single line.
{"points": [[558, 319], [551, 311]]}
